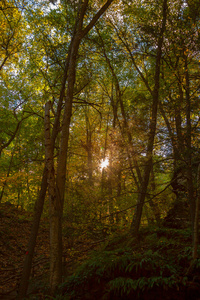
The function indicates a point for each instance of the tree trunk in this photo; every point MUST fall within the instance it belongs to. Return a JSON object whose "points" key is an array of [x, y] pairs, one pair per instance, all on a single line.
{"points": [[88, 148], [196, 220], [54, 210], [152, 130], [190, 188], [40, 200], [79, 34], [125, 128], [178, 119], [154, 207], [8, 172], [32, 240]]}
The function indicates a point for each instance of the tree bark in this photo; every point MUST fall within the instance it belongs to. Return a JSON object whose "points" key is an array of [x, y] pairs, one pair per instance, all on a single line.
{"points": [[196, 219], [40, 200], [54, 210], [32, 239], [88, 148], [190, 188], [79, 34], [152, 130], [178, 119], [154, 207]]}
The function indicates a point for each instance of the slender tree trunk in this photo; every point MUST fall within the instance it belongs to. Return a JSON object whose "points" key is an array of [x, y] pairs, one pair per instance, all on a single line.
{"points": [[40, 200], [103, 175], [178, 119], [8, 173], [154, 207], [196, 219], [79, 34], [89, 156], [28, 184], [110, 190], [32, 239], [190, 188], [89, 148], [54, 210], [195, 241], [57, 208], [152, 130], [125, 128]]}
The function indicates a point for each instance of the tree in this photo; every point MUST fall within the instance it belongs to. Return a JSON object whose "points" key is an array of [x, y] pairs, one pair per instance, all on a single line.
{"points": [[56, 196], [152, 127], [154, 92], [178, 100], [11, 31], [58, 200]]}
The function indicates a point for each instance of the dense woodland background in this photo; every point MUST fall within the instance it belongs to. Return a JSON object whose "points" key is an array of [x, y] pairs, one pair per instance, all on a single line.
{"points": [[99, 135]]}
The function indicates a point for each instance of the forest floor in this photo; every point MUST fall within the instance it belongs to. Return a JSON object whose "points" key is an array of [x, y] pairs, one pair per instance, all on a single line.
{"points": [[15, 226], [172, 246]]}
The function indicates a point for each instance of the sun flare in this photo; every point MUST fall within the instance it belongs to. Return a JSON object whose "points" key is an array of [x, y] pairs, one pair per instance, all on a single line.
{"points": [[104, 163]]}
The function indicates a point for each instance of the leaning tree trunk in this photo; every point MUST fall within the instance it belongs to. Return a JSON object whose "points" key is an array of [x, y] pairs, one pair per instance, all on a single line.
{"points": [[57, 209], [32, 239], [40, 201], [152, 130], [23, 286]]}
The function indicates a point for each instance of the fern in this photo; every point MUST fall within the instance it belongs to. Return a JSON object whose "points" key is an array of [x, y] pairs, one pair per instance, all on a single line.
{"points": [[122, 286], [99, 267], [125, 274]]}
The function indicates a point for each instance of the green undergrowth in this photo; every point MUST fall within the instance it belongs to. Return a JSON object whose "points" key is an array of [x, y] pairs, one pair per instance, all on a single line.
{"points": [[126, 268]]}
